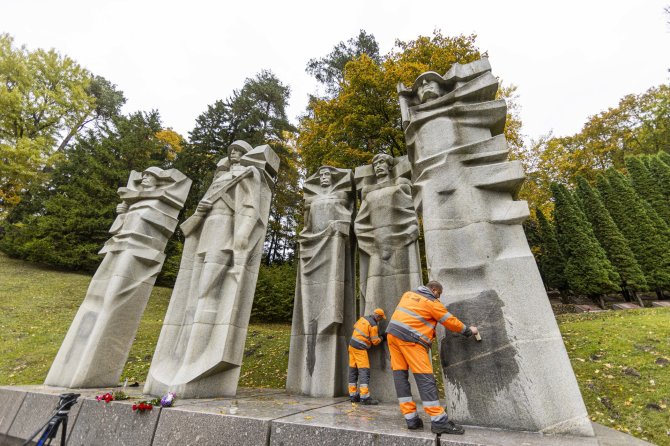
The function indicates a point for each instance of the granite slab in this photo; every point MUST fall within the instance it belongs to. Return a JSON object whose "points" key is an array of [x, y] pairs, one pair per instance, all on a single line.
{"points": [[10, 402], [626, 306], [259, 417]]}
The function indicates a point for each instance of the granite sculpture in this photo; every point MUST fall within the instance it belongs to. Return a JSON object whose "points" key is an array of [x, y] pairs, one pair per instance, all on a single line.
{"points": [[324, 306], [201, 345], [97, 344], [387, 231], [519, 376]]}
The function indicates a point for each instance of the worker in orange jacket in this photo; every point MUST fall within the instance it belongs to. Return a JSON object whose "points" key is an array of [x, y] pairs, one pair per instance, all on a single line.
{"points": [[365, 335], [410, 334]]}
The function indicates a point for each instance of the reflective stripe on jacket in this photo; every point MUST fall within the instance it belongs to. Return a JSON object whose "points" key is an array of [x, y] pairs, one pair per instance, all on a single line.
{"points": [[416, 316], [366, 333]]}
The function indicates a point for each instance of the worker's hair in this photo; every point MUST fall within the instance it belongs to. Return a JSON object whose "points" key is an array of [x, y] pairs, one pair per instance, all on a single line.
{"points": [[434, 284]]}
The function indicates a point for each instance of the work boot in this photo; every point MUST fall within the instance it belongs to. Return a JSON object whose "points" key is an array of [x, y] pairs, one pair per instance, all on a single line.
{"points": [[414, 423], [355, 398], [369, 401], [446, 427]]}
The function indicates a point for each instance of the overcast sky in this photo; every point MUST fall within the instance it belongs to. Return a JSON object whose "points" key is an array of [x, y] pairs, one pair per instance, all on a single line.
{"points": [[569, 59]]}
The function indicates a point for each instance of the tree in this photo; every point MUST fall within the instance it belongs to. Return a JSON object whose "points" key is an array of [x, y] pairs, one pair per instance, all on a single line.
{"points": [[363, 117], [46, 99], [257, 114], [329, 70], [552, 261], [587, 269], [650, 247], [647, 187], [612, 240], [65, 222], [661, 172], [664, 156], [275, 288], [639, 124]]}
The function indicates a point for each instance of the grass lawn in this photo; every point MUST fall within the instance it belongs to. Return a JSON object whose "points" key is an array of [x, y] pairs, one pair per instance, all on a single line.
{"points": [[621, 359], [622, 363]]}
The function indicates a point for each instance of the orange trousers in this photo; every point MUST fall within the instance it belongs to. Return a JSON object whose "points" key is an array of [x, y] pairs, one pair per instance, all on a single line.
{"points": [[359, 371], [413, 356]]}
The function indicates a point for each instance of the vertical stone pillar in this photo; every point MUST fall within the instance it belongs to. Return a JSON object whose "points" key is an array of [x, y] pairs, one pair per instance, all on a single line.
{"points": [[519, 376], [97, 344], [324, 308], [387, 232], [201, 345]]}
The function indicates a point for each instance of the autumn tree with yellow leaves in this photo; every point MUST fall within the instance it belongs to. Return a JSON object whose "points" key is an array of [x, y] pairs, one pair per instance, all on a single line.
{"points": [[360, 116]]}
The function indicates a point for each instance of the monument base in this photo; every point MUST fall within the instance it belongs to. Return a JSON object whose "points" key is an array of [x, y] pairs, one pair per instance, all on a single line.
{"points": [[263, 417]]}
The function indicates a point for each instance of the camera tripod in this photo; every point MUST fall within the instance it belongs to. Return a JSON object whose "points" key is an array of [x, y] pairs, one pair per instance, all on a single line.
{"points": [[60, 416]]}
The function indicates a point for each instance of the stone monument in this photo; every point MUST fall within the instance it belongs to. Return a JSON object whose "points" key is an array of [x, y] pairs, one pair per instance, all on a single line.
{"points": [[97, 344], [387, 231], [324, 309], [200, 348], [519, 376]]}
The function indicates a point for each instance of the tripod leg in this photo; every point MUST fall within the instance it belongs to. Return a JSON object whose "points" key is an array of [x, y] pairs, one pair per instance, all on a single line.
{"points": [[63, 433]]}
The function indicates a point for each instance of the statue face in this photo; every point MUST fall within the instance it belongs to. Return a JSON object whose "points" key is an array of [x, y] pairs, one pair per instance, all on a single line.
{"points": [[428, 90], [235, 155], [325, 177], [148, 180], [381, 168]]}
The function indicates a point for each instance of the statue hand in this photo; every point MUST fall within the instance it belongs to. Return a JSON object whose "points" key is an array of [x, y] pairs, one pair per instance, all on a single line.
{"points": [[203, 207], [122, 208]]}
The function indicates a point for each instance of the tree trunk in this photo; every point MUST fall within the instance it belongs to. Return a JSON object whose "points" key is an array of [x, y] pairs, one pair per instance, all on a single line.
{"points": [[598, 299], [637, 298], [565, 297]]}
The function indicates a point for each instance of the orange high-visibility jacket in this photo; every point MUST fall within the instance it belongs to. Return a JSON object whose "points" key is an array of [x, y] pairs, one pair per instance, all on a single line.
{"points": [[416, 317], [366, 333]]}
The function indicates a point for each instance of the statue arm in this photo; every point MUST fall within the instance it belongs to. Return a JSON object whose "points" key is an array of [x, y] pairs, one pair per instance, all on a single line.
{"points": [[248, 216]]}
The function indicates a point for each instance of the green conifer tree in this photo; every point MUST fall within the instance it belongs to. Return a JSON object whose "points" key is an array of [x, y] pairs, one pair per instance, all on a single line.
{"points": [[664, 156], [69, 217], [587, 269], [612, 240], [647, 187], [552, 260], [629, 213], [661, 173]]}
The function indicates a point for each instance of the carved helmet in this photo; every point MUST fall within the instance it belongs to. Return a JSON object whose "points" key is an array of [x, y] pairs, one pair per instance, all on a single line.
{"points": [[241, 145]]}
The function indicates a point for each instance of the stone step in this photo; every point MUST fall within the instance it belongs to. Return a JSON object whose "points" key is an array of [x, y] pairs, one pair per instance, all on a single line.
{"points": [[262, 417]]}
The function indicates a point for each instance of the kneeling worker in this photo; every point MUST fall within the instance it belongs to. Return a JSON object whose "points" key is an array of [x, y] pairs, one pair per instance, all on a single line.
{"points": [[410, 334], [365, 335]]}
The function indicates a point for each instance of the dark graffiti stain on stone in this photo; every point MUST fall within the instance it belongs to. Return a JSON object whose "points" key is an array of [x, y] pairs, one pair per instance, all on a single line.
{"points": [[311, 346], [465, 362]]}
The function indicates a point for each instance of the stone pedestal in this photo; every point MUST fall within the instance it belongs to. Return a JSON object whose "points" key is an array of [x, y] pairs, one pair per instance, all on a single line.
{"points": [[263, 417], [519, 376]]}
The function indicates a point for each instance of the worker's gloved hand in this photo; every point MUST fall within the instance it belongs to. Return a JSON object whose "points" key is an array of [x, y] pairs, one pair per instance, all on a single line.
{"points": [[470, 331]]}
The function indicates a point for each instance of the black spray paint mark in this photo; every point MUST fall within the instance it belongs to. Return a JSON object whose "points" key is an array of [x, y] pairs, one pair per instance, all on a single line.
{"points": [[311, 346], [465, 362]]}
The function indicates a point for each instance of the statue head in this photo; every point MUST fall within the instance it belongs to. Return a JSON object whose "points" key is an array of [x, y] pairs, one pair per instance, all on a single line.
{"points": [[150, 177], [428, 86], [237, 150], [325, 177], [382, 165]]}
